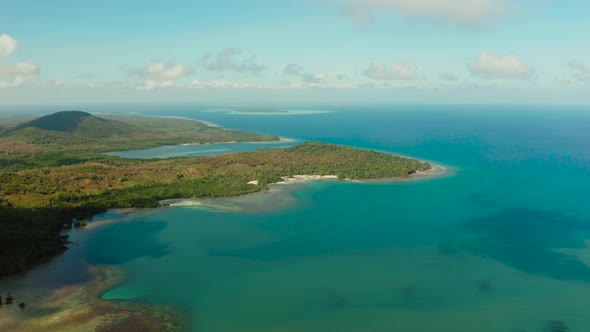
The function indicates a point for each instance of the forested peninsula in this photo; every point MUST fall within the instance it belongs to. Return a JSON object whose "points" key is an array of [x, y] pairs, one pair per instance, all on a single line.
{"points": [[53, 169]]}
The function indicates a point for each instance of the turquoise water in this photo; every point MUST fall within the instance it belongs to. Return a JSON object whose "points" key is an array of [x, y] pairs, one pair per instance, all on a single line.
{"points": [[197, 150], [500, 244]]}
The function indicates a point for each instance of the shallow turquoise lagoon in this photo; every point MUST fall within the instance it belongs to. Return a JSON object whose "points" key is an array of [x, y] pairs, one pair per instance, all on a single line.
{"points": [[499, 244], [198, 150]]}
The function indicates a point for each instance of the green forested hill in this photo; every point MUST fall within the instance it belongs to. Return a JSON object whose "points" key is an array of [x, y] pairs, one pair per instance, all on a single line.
{"points": [[81, 124]]}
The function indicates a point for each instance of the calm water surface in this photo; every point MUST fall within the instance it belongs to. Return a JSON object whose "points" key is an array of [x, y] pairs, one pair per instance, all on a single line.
{"points": [[498, 245]]}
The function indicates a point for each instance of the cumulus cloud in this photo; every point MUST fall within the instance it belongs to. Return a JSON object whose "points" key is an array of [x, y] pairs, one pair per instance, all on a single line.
{"points": [[7, 45], [16, 82], [379, 72], [119, 84], [394, 71], [164, 71], [151, 85], [148, 86], [491, 65], [580, 71], [47, 83], [21, 68], [367, 85], [585, 78], [196, 84], [167, 84], [581, 77], [294, 69], [562, 81], [462, 12], [448, 76], [232, 60], [578, 66]]}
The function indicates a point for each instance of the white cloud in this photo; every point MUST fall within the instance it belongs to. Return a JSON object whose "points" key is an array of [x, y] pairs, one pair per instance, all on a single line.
{"points": [[394, 71], [196, 84], [584, 78], [19, 80], [379, 72], [119, 84], [491, 65], [463, 12], [167, 84], [231, 60], [164, 71], [404, 71], [16, 82], [148, 86], [47, 83], [367, 86], [21, 68], [562, 81], [578, 66], [581, 72], [151, 85], [7, 45], [448, 76], [294, 69]]}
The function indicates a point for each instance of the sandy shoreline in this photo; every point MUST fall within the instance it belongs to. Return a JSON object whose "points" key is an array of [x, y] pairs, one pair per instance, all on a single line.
{"points": [[299, 178], [435, 171], [224, 204]]}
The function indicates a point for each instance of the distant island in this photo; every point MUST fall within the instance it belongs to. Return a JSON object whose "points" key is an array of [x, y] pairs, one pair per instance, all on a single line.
{"points": [[53, 169], [260, 111]]}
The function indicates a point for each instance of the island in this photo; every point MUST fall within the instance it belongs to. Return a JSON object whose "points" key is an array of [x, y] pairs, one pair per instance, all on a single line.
{"points": [[54, 173], [259, 111]]}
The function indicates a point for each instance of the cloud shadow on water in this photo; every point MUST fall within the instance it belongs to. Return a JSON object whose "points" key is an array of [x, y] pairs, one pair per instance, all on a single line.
{"points": [[124, 242], [527, 239]]}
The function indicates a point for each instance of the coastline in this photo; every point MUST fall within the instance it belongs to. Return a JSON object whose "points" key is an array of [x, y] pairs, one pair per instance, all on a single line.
{"points": [[255, 202], [436, 170], [306, 177]]}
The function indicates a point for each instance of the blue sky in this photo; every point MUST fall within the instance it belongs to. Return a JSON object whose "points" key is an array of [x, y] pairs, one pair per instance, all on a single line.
{"points": [[295, 51]]}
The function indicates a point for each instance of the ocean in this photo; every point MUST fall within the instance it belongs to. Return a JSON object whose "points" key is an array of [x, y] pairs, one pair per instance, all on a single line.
{"points": [[499, 243]]}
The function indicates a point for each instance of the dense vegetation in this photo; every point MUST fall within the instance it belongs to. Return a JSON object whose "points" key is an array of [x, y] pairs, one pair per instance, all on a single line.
{"points": [[58, 175]]}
